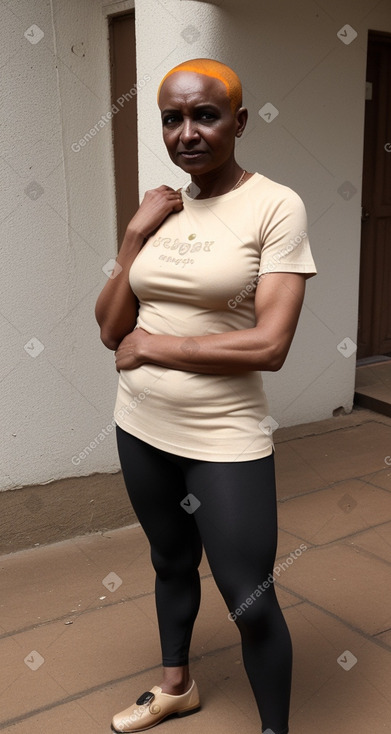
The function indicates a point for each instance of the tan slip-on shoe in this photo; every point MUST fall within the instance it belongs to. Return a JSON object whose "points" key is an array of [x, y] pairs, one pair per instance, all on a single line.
{"points": [[154, 706]]}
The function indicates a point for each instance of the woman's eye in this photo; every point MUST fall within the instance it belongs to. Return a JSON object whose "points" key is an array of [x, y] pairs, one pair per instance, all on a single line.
{"points": [[177, 119], [169, 119]]}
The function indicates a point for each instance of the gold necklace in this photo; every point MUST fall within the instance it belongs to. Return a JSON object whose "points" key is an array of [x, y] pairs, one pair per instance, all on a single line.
{"points": [[238, 182], [235, 186]]}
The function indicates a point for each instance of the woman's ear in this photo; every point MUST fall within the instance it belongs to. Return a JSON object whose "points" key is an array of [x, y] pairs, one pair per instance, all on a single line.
{"points": [[241, 121]]}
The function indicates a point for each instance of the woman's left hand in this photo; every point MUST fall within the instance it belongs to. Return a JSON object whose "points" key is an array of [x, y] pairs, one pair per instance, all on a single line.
{"points": [[131, 351]]}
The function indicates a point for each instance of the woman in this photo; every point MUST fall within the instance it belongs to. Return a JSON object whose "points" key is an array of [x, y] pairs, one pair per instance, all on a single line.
{"points": [[209, 291]]}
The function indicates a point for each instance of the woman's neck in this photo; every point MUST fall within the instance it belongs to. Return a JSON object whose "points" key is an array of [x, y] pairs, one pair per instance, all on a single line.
{"points": [[218, 181]]}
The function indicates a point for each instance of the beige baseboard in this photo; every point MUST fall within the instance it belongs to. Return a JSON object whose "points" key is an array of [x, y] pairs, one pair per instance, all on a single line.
{"points": [[41, 514]]}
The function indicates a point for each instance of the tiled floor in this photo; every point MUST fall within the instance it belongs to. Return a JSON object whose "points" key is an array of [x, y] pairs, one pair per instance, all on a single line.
{"points": [[73, 651]]}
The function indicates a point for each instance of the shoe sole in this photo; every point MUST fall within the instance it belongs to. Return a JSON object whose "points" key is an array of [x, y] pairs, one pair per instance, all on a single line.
{"points": [[179, 714]]}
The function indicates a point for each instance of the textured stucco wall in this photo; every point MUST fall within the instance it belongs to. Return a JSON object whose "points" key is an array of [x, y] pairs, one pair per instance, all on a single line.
{"points": [[57, 231], [57, 216]]}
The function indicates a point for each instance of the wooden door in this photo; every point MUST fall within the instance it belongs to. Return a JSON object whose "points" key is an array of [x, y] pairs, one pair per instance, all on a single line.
{"points": [[124, 119], [374, 328]]}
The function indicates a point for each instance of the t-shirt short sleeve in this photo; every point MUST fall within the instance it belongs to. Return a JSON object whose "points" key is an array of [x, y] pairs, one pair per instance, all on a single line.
{"points": [[284, 240]]}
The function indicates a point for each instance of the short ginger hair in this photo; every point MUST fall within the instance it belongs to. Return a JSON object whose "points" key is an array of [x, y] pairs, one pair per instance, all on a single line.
{"points": [[215, 69]]}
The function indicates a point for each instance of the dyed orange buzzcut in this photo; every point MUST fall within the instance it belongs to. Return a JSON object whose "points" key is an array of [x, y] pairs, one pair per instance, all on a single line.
{"points": [[214, 69]]}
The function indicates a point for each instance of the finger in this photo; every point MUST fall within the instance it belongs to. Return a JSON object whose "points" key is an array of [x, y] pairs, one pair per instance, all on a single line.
{"points": [[165, 188], [174, 192]]}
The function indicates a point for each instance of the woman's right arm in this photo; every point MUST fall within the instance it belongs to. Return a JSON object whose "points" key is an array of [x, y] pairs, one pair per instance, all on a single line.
{"points": [[116, 307]]}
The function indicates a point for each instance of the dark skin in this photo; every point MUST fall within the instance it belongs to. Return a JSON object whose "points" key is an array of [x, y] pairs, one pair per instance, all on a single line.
{"points": [[199, 131]]}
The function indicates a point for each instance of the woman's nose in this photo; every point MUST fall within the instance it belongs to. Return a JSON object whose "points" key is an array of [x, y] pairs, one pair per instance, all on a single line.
{"points": [[189, 131]]}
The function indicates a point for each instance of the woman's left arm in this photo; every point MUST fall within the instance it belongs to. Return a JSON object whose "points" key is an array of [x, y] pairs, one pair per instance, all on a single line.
{"points": [[278, 301]]}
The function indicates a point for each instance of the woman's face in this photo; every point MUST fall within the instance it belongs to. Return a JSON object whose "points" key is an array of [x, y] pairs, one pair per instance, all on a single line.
{"points": [[199, 127]]}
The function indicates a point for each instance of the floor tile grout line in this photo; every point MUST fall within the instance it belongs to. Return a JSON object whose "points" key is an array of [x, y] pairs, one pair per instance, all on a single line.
{"points": [[326, 431], [89, 610], [372, 484], [351, 627], [382, 632], [93, 535], [316, 692], [331, 485], [342, 539], [373, 556]]}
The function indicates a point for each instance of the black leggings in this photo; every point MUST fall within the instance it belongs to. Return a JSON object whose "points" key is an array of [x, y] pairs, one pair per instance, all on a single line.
{"points": [[230, 509]]}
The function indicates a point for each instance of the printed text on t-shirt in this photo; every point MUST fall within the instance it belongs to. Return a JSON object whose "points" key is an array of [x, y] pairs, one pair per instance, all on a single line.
{"points": [[183, 247]]}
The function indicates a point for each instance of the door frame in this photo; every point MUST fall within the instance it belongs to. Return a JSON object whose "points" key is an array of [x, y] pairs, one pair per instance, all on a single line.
{"points": [[371, 297]]}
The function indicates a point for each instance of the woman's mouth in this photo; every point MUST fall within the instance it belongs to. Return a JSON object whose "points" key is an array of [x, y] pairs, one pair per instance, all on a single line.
{"points": [[191, 154]]}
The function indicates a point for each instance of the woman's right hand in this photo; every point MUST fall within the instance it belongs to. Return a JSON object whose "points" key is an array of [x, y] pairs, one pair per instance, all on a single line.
{"points": [[116, 307], [155, 207]]}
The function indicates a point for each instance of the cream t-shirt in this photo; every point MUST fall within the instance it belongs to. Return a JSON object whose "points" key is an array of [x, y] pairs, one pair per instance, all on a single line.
{"points": [[197, 275]]}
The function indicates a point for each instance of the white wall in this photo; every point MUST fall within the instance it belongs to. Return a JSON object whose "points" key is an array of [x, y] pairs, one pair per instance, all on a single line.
{"points": [[54, 246], [58, 233]]}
